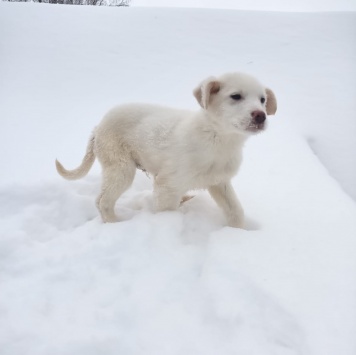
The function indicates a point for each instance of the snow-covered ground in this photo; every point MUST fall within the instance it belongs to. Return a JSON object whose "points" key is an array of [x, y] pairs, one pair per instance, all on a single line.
{"points": [[256, 5], [177, 282]]}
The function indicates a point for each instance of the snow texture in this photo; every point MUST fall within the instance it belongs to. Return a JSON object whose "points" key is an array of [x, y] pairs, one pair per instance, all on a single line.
{"points": [[176, 282]]}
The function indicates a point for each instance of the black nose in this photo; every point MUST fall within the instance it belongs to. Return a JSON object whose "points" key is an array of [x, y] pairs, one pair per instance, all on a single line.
{"points": [[258, 116]]}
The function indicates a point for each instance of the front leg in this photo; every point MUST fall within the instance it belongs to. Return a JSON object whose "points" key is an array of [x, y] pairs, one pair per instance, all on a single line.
{"points": [[225, 196], [166, 197]]}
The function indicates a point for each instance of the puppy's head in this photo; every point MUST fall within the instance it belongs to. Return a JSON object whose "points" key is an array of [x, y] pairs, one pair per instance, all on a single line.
{"points": [[236, 102]]}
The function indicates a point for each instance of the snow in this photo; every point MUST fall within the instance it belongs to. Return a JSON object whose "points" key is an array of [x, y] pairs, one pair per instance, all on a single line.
{"points": [[256, 5], [176, 282]]}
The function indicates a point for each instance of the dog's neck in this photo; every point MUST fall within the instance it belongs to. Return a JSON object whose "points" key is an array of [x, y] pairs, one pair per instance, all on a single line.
{"points": [[209, 127]]}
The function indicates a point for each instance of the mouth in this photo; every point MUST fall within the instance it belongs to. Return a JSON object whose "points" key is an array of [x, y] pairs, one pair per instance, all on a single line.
{"points": [[256, 127]]}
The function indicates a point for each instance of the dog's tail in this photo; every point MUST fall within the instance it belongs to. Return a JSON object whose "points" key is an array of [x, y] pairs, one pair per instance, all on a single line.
{"points": [[84, 167]]}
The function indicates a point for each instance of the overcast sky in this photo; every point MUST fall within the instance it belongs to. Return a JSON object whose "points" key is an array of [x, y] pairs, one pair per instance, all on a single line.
{"points": [[269, 5]]}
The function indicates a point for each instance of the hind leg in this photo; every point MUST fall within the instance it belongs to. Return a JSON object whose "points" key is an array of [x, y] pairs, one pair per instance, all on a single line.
{"points": [[117, 178]]}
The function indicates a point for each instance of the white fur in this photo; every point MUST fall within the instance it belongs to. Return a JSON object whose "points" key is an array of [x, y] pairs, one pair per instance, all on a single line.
{"points": [[182, 150]]}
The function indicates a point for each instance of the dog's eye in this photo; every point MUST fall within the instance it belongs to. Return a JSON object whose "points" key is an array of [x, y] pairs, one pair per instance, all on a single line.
{"points": [[236, 97], [263, 100]]}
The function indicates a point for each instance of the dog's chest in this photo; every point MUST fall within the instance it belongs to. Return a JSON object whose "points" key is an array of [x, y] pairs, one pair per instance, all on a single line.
{"points": [[214, 171]]}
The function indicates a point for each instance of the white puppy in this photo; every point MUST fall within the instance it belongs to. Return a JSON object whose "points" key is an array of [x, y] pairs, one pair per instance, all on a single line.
{"points": [[182, 150]]}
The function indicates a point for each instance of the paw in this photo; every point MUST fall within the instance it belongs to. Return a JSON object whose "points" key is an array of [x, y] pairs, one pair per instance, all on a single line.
{"points": [[236, 222], [109, 218]]}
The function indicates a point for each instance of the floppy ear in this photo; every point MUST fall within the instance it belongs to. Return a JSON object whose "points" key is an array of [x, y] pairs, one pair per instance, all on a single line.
{"points": [[205, 90], [271, 102]]}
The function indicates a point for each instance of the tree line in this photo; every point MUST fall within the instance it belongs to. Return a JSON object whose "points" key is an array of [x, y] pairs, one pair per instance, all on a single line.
{"points": [[81, 2]]}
